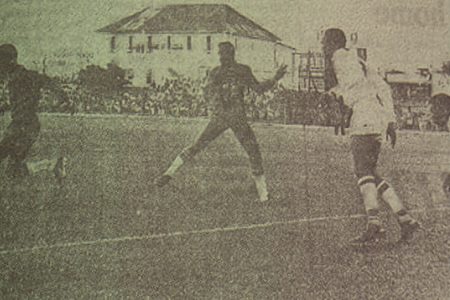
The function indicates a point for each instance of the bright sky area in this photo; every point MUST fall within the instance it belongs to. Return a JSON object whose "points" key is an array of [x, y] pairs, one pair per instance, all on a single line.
{"points": [[402, 34]]}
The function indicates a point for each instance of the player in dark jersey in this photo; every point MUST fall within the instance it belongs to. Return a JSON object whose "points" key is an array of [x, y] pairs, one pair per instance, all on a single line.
{"points": [[225, 90], [24, 88]]}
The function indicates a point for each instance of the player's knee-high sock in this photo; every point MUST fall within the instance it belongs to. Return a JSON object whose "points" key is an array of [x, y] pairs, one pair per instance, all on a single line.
{"points": [[389, 195], [43, 165], [369, 194], [176, 164], [261, 187]]}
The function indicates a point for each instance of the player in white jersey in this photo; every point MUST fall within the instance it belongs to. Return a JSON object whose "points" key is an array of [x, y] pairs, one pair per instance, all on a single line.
{"points": [[370, 99]]}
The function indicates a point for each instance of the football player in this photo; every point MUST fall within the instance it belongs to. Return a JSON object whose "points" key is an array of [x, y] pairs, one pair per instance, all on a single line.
{"points": [[24, 88], [440, 113], [369, 97], [225, 90]]}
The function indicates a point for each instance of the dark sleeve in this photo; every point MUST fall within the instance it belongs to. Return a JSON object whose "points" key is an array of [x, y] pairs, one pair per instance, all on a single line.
{"points": [[249, 78]]}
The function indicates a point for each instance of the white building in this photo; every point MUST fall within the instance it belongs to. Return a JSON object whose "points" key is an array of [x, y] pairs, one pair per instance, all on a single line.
{"points": [[183, 39]]}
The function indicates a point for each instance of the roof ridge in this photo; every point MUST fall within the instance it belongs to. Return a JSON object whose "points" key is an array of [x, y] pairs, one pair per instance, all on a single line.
{"points": [[199, 4], [206, 17], [122, 20], [253, 23]]}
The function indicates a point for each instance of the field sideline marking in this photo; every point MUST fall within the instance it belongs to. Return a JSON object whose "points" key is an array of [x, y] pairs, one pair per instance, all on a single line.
{"points": [[205, 119], [199, 232]]}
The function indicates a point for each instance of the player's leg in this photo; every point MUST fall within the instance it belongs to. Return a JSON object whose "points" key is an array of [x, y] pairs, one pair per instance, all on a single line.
{"points": [[215, 127], [369, 146], [439, 182], [17, 167], [55, 165], [25, 135], [11, 146], [245, 135], [35, 167], [365, 150], [446, 184], [342, 125], [7, 143], [407, 223]]}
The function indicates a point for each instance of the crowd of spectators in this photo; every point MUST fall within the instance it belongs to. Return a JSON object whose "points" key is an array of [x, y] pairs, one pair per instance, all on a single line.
{"points": [[184, 97], [416, 118], [180, 97]]}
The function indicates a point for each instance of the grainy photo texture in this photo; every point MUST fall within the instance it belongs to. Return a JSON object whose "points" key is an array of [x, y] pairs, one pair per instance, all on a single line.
{"points": [[204, 149]]}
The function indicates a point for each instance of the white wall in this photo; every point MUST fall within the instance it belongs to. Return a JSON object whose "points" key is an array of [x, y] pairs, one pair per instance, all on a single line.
{"points": [[192, 62], [262, 56]]}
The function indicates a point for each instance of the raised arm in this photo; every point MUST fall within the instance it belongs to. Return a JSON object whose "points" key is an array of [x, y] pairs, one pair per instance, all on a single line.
{"points": [[263, 86]]}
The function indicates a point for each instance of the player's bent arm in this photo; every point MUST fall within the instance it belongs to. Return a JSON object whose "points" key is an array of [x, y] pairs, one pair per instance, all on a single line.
{"points": [[385, 97], [266, 85]]}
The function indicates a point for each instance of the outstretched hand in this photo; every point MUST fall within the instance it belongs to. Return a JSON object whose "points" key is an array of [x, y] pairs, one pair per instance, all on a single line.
{"points": [[281, 72], [331, 93]]}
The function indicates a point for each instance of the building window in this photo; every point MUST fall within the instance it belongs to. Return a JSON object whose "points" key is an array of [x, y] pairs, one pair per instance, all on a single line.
{"points": [[208, 43], [130, 44], [189, 43], [113, 43], [149, 43], [169, 43]]}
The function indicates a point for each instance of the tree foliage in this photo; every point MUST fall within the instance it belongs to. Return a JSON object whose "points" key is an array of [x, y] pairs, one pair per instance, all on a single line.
{"points": [[96, 78]]}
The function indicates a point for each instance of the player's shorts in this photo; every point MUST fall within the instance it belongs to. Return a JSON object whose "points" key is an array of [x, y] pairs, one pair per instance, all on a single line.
{"points": [[241, 129], [366, 150]]}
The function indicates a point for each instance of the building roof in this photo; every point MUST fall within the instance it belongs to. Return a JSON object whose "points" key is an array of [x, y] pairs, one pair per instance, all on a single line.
{"points": [[195, 18]]}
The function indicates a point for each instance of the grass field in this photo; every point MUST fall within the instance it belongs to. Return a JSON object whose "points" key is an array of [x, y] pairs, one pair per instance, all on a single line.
{"points": [[109, 234]]}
